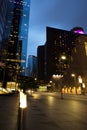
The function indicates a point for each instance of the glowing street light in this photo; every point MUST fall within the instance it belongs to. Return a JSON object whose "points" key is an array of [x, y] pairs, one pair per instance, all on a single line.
{"points": [[74, 76], [58, 77], [63, 57]]}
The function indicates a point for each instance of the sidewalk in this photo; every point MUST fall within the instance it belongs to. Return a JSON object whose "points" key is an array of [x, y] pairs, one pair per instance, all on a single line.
{"points": [[9, 112]]}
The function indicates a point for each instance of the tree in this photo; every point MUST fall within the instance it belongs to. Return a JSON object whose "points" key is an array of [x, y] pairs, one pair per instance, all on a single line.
{"points": [[28, 83]]}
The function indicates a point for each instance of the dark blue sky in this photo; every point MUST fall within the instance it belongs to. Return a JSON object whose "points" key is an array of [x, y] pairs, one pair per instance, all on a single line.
{"points": [[62, 14]]}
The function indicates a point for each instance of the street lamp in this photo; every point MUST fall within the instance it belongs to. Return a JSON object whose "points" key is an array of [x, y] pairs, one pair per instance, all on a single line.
{"points": [[50, 86], [58, 77], [63, 57], [74, 76]]}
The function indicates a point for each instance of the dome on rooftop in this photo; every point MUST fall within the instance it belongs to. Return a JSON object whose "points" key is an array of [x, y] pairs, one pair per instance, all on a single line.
{"points": [[78, 30]]}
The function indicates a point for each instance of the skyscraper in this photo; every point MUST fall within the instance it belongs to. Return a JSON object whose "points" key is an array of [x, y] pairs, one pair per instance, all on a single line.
{"points": [[3, 11], [16, 35], [3, 15], [58, 46], [41, 62], [18, 22], [24, 29], [64, 53], [32, 66]]}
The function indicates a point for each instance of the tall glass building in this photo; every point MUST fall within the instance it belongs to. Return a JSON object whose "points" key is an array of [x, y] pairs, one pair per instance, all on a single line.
{"points": [[24, 29], [15, 35], [3, 14], [3, 11], [18, 22]]}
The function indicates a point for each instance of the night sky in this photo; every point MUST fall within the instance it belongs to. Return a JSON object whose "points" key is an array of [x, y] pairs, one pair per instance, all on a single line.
{"points": [[62, 14]]}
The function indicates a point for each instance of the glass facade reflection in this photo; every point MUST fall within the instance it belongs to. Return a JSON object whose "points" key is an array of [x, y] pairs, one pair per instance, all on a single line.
{"points": [[17, 31], [24, 28], [14, 24], [3, 11], [18, 22]]}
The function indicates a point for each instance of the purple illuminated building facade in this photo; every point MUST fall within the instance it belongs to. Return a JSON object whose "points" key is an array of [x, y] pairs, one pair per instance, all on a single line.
{"points": [[78, 30]]}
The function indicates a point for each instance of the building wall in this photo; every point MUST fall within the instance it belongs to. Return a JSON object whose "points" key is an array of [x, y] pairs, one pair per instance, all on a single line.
{"points": [[59, 42], [24, 29], [3, 11], [32, 66], [41, 62], [17, 26], [78, 65], [74, 47], [3, 14], [15, 41]]}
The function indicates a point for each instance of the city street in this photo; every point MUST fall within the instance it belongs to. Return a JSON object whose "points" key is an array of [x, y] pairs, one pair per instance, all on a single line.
{"points": [[47, 111], [9, 112]]}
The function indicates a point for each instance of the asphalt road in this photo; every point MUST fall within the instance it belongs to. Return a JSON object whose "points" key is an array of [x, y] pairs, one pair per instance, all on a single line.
{"points": [[47, 111]]}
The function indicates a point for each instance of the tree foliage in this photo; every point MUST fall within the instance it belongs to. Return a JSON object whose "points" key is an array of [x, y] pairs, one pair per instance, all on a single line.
{"points": [[28, 83]]}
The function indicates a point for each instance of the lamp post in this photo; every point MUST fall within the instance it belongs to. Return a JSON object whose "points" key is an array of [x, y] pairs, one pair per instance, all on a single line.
{"points": [[58, 77], [63, 63], [74, 77]]}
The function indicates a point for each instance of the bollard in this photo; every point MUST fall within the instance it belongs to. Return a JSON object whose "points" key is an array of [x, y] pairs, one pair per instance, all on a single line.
{"points": [[22, 111]]}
